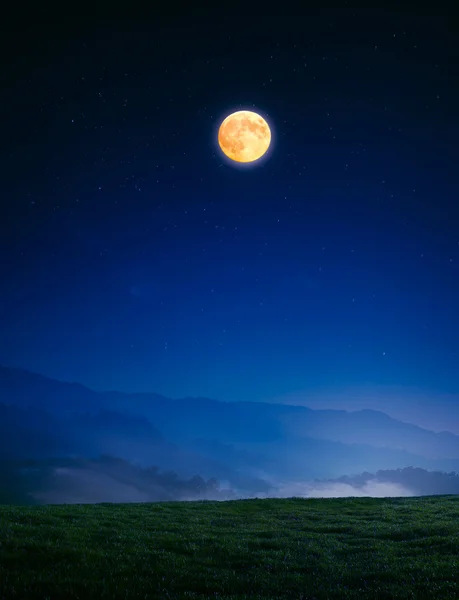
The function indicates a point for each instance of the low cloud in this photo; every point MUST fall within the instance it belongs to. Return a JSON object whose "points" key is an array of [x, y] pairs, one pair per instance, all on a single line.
{"points": [[313, 489], [106, 479], [373, 489]]}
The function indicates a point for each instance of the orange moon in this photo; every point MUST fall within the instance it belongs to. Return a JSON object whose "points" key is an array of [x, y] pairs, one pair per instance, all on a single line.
{"points": [[244, 136]]}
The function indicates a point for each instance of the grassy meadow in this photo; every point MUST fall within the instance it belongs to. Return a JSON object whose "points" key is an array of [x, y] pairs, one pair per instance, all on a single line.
{"points": [[249, 549]]}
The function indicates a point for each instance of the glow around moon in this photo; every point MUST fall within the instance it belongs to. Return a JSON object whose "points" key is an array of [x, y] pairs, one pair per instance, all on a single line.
{"points": [[244, 136]]}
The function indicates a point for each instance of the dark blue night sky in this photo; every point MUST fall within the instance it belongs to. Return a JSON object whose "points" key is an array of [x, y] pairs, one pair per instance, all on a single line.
{"points": [[135, 258]]}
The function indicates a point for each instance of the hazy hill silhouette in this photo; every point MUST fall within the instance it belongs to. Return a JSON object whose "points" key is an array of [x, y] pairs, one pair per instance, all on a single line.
{"points": [[230, 422], [248, 445], [31, 433]]}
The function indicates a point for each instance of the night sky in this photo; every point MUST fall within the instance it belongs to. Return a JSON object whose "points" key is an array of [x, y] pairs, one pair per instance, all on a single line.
{"points": [[135, 257]]}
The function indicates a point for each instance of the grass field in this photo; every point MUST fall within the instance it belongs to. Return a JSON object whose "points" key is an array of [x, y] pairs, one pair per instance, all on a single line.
{"points": [[295, 548]]}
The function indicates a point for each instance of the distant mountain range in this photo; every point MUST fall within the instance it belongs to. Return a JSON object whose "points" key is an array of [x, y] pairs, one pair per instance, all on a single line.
{"points": [[248, 445]]}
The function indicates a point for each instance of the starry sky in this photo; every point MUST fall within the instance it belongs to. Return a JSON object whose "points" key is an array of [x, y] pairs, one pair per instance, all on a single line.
{"points": [[134, 257]]}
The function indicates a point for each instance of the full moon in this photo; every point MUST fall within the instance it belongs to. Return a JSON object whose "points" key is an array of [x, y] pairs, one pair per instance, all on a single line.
{"points": [[244, 136]]}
